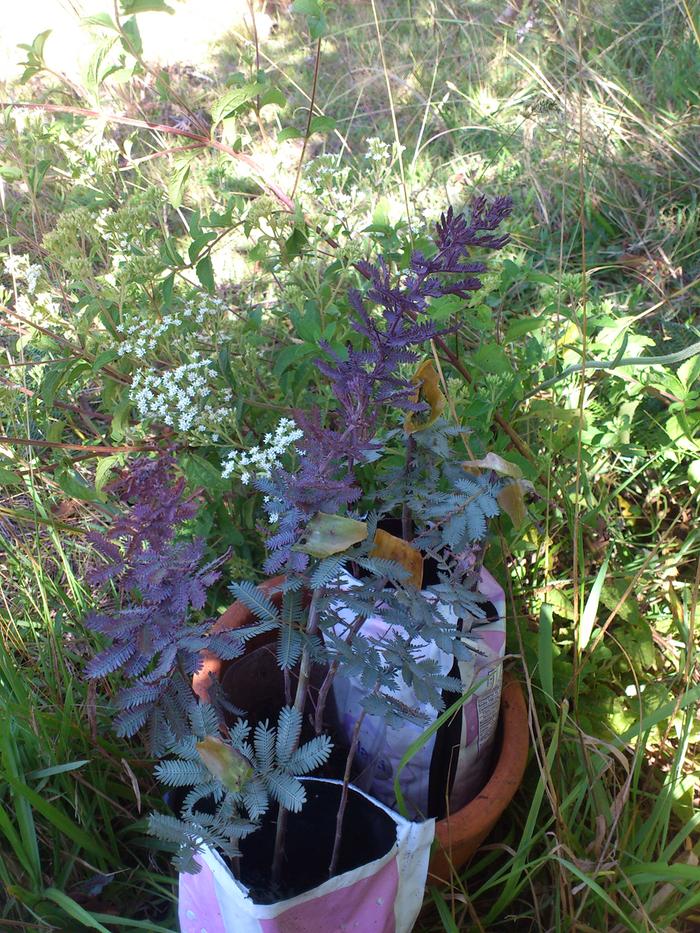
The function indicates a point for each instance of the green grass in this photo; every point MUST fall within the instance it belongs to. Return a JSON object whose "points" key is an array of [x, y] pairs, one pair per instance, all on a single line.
{"points": [[592, 122]]}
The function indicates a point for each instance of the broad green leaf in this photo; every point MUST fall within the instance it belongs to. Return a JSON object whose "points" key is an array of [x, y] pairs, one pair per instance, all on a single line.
{"points": [[205, 273], [131, 39], [492, 359], [289, 132], [178, 180], [9, 477], [443, 308], [233, 100], [694, 472], [315, 16], [272, 97], [75, 487], [104, 469], [104, 358], [322, 124], [330, 534], [522, 326]]}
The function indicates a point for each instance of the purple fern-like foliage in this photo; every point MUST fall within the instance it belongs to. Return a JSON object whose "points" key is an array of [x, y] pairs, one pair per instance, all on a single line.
{"points": [[161, 581], [366, 380]]}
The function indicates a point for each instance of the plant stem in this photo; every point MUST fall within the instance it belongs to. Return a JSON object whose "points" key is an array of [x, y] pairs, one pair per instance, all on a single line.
{"points": [[406, 517], [344, 795], [299, 704]]}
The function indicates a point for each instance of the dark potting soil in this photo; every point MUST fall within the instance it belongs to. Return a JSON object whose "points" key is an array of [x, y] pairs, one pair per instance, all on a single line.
{"points": [[368, 834]]}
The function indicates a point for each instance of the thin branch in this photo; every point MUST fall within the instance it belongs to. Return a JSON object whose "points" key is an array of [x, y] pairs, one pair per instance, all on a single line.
{"points": [[310, 117]]}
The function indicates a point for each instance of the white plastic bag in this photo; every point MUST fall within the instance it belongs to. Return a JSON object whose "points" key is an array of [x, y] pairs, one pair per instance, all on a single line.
{"points": [[384, 896], [381, 748]]}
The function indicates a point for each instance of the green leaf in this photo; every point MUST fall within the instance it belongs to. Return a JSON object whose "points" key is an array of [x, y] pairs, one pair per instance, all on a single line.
{"points": [[295, 243], [380, 217], [120, 418], [694, 472], [315, 16], [75, 487], [9, 477], [131, 39], [103, 20], [523, 326], [234, 100], [590, 611], [544, 652], [289, 132], [291, 355], [445, 307], [330, 534], [225, 763], [73, 909], [102, 359], [272, 97], [205, 273], [200, 472], [104, 468], [144, 6], [178, 180], [322, 124], [56, 817], [492, 359]]}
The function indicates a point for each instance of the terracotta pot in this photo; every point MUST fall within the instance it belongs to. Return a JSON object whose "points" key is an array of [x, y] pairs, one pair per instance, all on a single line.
{"points": [[459, 835]]}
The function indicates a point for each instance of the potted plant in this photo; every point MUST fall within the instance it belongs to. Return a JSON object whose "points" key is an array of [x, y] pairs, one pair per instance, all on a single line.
{"points": [[375, 624]]}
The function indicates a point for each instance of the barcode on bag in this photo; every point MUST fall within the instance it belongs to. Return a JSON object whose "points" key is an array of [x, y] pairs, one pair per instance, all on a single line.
{"points": [[487, 706]]}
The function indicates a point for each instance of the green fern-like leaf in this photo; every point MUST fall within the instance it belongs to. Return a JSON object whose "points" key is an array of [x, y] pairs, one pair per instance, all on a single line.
{"points": [[289, 647], [256, 601], [288, 731], [264, 742], [169, 829], [179, 773], [310, 756], [255, 799], [326, 571], [286, 790]]}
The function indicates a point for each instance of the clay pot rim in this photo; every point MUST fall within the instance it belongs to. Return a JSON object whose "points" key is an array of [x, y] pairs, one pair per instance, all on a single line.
{"points": [[469, 825]]}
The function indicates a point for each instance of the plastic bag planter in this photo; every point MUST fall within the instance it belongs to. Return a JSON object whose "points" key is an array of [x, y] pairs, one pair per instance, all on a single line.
{"points": [[383, 895], [459, 756], [460, 833]]}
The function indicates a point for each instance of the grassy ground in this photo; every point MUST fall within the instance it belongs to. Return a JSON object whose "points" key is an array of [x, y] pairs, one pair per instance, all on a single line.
{"points": [[589, 116]]}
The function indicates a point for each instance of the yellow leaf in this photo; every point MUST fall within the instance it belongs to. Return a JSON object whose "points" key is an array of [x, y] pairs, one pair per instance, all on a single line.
{"points": [[224, 762], [428, 390], [330, 534], [493, 462], [392, 548], [512, 501]]}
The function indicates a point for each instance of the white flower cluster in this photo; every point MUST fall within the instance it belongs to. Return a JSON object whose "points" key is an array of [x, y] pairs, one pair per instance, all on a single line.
{"points": [[181, 398], [140, 337], [21, 268], [377, 150], [326, 181], [259, 461]]}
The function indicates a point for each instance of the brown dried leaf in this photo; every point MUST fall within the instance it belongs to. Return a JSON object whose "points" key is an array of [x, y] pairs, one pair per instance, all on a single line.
{"points": [[392, 548], [428, 390]]}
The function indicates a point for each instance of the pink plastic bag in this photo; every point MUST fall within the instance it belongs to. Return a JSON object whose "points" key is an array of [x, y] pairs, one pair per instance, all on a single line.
{"points": [[384, 896], [381, 748]]}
